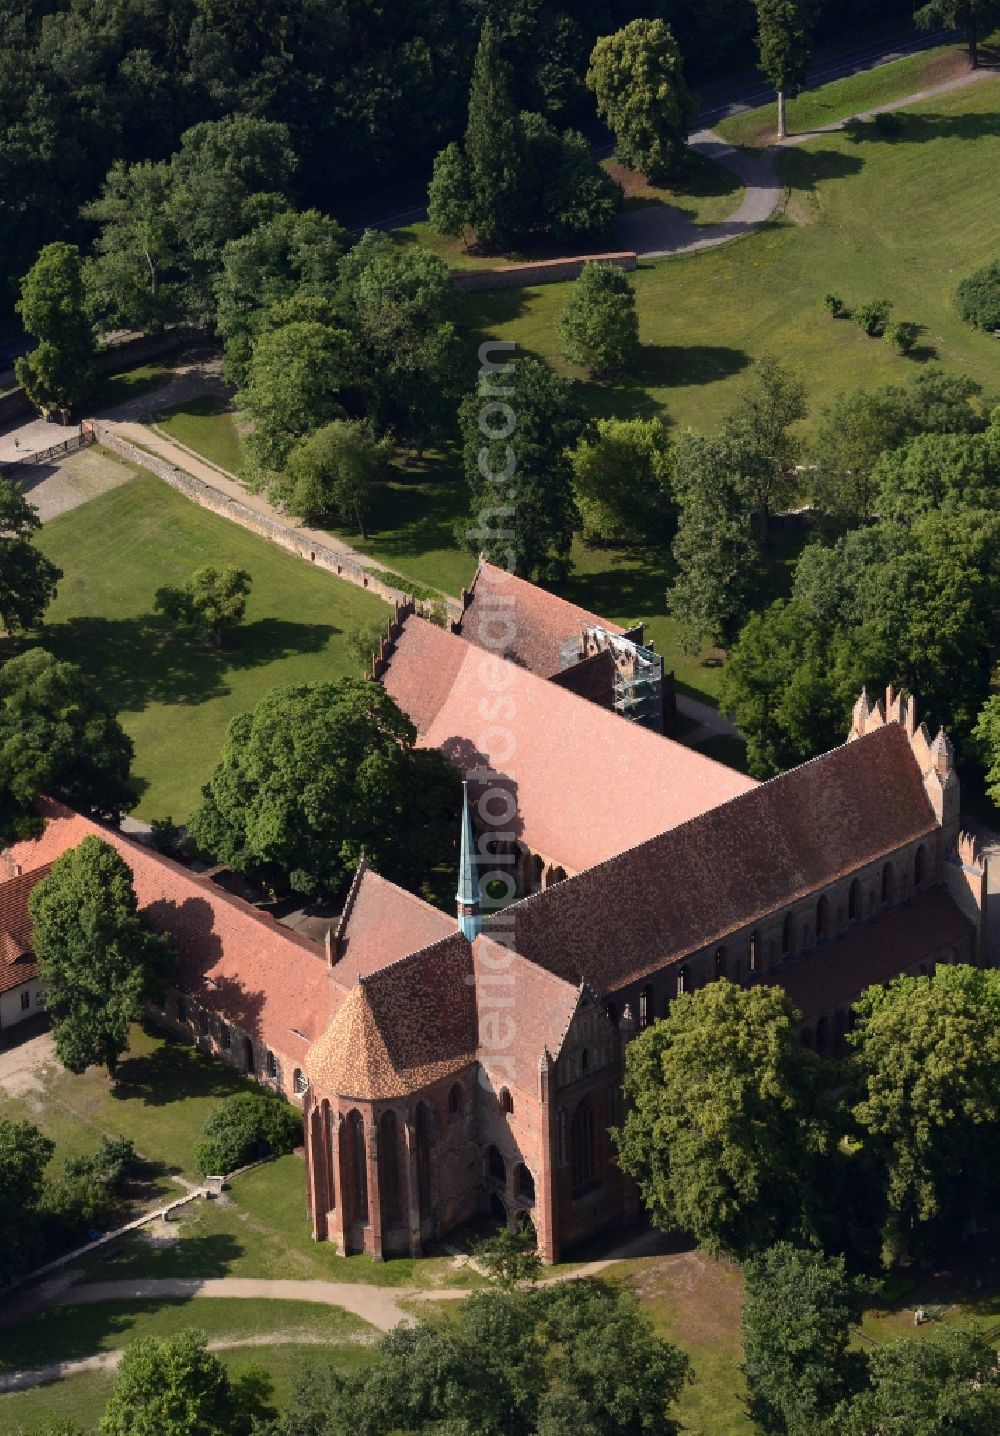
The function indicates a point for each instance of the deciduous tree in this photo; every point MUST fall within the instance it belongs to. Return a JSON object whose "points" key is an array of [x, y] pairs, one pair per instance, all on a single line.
{"points": [[177, 1387], [784, 39], [319, 775], [927, 1106], [24, 1155], [27, 578], [57, 737], [760, 431], [294, 379], [600, 326], [97, 956], [622, 481], [59, 371], [930, 1386], [334, 471], [213, 601], [715, 550], [727, 1119], [129, 281], [798, 1311], [975, 17], [518, 470], [638, 81]]}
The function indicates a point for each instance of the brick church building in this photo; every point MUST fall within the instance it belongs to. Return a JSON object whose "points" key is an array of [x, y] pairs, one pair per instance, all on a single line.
{"points": [[449, 1066]]}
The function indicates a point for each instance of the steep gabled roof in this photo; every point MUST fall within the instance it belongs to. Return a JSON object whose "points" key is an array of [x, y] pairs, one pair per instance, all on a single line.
{"points": [[586, 783], [524, 1011], [383, 924], [17, 958], [729, 867], [401, 1028], [249, 969], [537, 622]]}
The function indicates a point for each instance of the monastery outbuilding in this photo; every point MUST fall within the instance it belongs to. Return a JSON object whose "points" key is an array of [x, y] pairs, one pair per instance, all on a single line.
{"points": [[449, 1066]]}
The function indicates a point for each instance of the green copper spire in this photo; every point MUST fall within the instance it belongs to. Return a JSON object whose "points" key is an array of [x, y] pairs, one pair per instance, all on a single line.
{"points": [[470, 908]]}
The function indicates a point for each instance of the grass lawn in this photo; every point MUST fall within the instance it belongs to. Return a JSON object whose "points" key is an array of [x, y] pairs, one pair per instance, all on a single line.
{"points": [[115, 389], [904, 218], [66, 1333], [176, 697], [206, 425], [82, 1399], [853, 95]]}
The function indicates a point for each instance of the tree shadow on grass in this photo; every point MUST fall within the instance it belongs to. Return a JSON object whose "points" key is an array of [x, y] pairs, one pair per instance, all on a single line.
{"points": [[805, 169], [189, 1256], [674, 365], [633, 583], [174, 1072], [910, 129], [138, 661]]}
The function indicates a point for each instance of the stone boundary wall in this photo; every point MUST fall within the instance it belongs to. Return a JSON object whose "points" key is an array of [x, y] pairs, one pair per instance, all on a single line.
{"points": [[544, 271], [287, 538]]}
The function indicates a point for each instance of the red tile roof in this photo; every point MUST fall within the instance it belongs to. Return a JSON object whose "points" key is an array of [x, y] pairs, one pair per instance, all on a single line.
{"points": [[383, 924], [538, 622], [249, 969], [17, 959], [730, 867], [402, 1028], [523, 1012], [587, 783], [836, 974]]}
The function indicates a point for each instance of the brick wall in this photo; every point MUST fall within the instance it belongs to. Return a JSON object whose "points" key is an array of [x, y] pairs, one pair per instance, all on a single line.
{"points": [[545, 271]]}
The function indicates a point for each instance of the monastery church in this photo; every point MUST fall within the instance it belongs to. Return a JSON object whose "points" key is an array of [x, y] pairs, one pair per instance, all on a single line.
{"points": [[452, 1065]]}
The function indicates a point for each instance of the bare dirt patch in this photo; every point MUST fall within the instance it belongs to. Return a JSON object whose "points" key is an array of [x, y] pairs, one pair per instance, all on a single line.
{"points": [[57, 488], [22, 1066], [698, 1299]]}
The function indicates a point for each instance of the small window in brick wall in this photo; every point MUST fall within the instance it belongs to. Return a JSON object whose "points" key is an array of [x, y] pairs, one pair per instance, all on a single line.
{"points": [[227, 1037], [272, 1065], [25, 1001], [506, 1101], [299, 1082], [455, 1101]]}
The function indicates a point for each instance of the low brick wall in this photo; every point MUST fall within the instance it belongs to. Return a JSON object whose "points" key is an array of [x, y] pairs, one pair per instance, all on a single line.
{"points": [[227, 507], [544, 271]]}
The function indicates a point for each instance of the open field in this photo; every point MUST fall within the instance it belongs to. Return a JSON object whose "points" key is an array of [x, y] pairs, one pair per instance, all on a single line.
{"points": [[176, 696], [866, 216]]}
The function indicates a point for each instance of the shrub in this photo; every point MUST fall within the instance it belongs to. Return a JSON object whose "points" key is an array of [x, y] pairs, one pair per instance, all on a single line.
{"points": [[244, 1127], [835, 305], [902, 336], [978, 297], [872, 317], [600, 326]]}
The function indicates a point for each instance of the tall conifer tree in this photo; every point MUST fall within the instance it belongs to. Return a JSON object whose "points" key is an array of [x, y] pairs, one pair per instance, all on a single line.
{"points": [[495, 147]]}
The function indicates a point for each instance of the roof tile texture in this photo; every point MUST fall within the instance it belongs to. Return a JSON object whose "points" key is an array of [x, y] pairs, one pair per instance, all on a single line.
{"points": [[587, 784], [17, 960], [729, 867]]}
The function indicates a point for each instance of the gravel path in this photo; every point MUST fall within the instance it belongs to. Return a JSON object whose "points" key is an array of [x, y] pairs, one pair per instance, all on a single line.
{"points": [[660, 230]]}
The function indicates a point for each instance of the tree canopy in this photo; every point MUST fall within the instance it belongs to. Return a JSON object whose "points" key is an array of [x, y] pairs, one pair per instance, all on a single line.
{"points": [[600, 326], [24, 1154], [212, 602], [638, 81], [572, 1357], [97, 956], [59, 371], [727, 1119], [57, 737], [517, 466], [319, 775], [27, 578], [927, 1063], [784, 34], [622, 481], [334, 472]]}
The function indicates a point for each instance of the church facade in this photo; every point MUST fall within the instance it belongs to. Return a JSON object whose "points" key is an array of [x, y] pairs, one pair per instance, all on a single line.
{"points": [[449, 1066]]}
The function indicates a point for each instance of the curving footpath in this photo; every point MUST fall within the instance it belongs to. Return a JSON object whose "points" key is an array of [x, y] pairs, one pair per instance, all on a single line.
{"points": [[660, 230]]}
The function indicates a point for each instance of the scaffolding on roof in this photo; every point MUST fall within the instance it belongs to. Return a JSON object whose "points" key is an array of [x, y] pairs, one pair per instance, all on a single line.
{"points": [[638, 682]]}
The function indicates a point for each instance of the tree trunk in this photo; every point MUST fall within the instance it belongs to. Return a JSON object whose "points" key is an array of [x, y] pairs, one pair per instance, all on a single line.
{"points": [[782, 124], [973, 42]]}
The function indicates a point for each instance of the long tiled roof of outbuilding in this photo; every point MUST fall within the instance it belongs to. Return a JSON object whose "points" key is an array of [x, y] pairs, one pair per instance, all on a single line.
{"points": [[587, 784], [730, 867], [17, 958], [255, 973]]}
